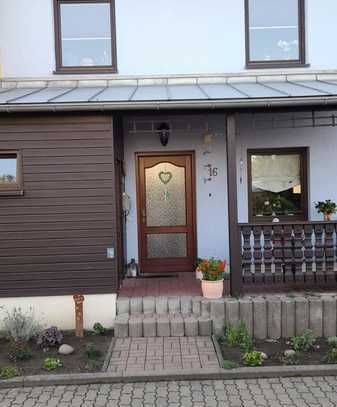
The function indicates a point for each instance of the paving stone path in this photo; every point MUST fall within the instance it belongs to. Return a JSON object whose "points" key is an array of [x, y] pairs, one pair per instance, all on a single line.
{"points": [[306, 392], [167, 353]]}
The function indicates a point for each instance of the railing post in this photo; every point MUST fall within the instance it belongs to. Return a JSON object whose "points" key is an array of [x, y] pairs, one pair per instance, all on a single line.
{"points": [[234, 232]]}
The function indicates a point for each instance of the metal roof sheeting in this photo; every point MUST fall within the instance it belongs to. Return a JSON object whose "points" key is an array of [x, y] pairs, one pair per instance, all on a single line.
{"points": [[236, 93]]}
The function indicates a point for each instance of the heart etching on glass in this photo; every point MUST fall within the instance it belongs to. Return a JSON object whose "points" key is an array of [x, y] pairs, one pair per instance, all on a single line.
{"points": [[165, 177]]}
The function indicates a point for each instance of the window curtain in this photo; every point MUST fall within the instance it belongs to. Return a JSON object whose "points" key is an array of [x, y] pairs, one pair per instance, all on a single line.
{"points": [[275, 173]]}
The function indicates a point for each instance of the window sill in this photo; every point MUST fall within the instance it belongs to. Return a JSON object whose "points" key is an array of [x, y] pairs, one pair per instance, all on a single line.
{"points": [[276, 65], [14, 192], [82, 70]]}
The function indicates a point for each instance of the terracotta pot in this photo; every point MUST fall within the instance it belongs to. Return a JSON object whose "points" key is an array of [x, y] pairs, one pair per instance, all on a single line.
{"points": [[327, 216], [212, 289]]}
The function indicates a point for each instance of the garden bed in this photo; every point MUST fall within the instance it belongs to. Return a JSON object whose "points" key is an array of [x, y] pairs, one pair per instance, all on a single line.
{"points": [[76, 362]]}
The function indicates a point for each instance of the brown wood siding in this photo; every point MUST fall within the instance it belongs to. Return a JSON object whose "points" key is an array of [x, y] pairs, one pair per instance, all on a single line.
{"points": [[53, 239]]}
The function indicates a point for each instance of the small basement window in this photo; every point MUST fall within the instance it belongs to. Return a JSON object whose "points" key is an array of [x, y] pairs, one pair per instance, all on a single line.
{"points": [[275, 33], [85, 36], [10, 173]]}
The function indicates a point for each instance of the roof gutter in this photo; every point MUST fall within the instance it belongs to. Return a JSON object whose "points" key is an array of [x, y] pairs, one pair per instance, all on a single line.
{"points": [[165, 105]]}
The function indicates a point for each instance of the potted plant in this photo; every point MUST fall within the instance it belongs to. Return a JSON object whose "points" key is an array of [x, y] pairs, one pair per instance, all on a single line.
{"points": [[212, 277], [327, 207]]}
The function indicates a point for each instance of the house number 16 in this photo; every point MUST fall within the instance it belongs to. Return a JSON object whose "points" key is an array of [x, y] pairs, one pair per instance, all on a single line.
{"points": [[213, 171]]}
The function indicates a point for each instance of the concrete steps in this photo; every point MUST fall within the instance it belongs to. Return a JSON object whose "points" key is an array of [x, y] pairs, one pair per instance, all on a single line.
{"points": [[167, 316]]}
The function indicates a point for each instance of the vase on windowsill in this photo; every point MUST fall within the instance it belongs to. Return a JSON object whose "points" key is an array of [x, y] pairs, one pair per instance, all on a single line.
{"points": [[327, 208], [212, 282]]}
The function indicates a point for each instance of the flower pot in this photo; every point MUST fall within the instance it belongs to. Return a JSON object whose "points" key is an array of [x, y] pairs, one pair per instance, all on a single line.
{"points": [[212, 289], [327, 216], [198, 273]]}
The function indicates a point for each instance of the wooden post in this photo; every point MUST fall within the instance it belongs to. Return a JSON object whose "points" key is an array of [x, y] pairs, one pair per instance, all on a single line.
{"points": [[79, 299], [234, 233]]}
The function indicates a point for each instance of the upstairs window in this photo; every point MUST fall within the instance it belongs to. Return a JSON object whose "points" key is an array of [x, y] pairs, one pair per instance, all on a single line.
{"points": [[10, 173], [274, 33], [277, 182], [85, 36]]}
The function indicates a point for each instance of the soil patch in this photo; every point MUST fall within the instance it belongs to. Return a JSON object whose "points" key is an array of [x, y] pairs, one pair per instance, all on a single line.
{"points": [[77, 362], [275, 351]]}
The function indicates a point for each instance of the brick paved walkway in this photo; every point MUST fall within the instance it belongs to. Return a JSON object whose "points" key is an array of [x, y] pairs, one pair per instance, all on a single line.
{"points": [[295, 392], [139, 354]]}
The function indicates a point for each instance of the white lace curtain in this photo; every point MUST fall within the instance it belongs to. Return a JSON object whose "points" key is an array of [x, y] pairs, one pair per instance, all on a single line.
{"points": [[275, 173]]}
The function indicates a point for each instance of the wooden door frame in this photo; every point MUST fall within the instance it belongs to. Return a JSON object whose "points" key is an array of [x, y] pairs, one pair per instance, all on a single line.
{"points": [[190, 153]]}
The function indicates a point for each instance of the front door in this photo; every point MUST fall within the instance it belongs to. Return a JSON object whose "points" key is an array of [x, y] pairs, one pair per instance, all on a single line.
{"points": [[166, 212]]}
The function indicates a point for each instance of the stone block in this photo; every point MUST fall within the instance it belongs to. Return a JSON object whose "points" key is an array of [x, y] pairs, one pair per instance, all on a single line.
{"points": [[288, 317], [302, 315], [196, 305], [177, 325], [205, 325], [149, 327], [246, 313], [161, 305], [260, 318], [205, 306], [232, 312], [149, 305], [316, 316], [186, 305], [329, 316], [121, 326], [274, 318], [136, 326], [163, 325], [123, 305], [191, 325], [173, 305], [136, 305], [217, 308]]}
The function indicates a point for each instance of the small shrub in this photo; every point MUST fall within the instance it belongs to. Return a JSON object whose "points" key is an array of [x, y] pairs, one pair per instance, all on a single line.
{"points": [[92, 352], [238, 336], [7, 372], [253, 358], [304, 342], [19, 351], [332, 341], [92, 365], [331, 356], [51, 364], [229, 364], [20, 326], [49, 338], [99, 329], [290, 359]]}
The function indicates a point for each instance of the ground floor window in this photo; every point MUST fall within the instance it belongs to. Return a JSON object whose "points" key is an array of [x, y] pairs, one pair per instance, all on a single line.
{"points": [[10, 173], [277, 184]]}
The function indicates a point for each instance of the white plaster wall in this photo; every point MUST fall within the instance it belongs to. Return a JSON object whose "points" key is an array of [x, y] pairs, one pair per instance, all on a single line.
{"points": [[157, 36], [212, 228], [60, 310], [322, 143]]}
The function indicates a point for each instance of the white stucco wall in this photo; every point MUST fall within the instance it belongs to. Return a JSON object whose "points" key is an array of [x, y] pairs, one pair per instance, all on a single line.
{"points": [[322, 143], [60, 310], [157, 36], [212, 228]]}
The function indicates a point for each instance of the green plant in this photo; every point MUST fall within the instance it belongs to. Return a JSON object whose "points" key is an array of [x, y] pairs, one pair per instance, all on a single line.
{"points": [[49, 338], [326, 207], [20, 326], [212, 269], [92, 352], [238, 336], [92, 365], [253, 358], [229, 364], [332, 341], [331, 356], [51, 364], [99, 329], [292, 359], [7, 372], [304, 342], [19, 351]]}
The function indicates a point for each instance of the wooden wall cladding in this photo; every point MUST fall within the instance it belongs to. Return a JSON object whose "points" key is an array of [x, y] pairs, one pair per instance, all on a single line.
{"points": [[54, 238]]}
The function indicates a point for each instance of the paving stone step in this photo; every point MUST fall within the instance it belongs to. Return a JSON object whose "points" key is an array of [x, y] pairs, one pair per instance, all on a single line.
{"points": [[151, 325]]}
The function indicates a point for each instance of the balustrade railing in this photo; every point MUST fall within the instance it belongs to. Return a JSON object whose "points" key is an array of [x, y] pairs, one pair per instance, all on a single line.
{"points": [[279, 255]]}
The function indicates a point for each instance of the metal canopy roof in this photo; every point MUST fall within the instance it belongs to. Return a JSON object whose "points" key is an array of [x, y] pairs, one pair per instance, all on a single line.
{"points": [[220, 94]]}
